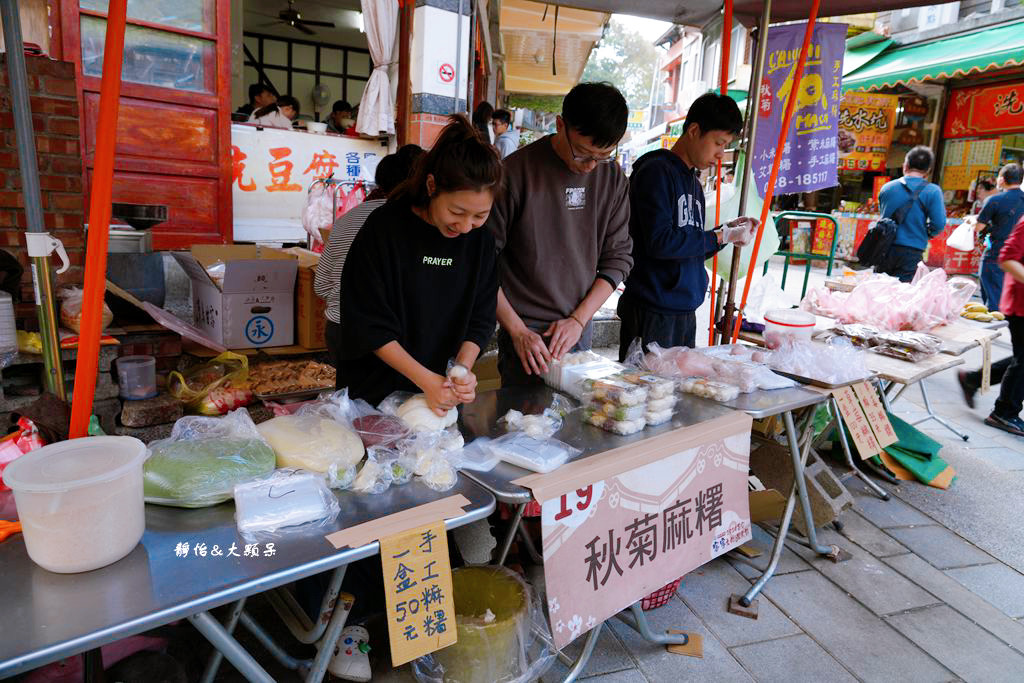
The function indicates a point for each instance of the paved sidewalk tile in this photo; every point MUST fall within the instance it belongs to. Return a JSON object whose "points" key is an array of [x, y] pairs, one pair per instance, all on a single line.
{"points": [[608, 656], [1000, 456], [627, 676], [969, 651], [940, 546], [752, 568], [868, 536], [706, 591], [883, 513], [876, 585], [658, 664], [997, 583], [974, 607], [796, 659], [867, 646]]}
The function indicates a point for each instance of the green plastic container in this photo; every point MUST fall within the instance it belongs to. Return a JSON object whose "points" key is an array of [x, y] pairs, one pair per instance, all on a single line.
{"points": [[487, 651]]}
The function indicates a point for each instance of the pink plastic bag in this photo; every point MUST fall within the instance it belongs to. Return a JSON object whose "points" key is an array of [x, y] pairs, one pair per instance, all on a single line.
{"points": [[354, 197]]}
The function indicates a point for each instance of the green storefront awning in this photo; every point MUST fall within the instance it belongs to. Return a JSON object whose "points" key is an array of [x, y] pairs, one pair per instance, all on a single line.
{"points": [[955, 57], [857, 55]]}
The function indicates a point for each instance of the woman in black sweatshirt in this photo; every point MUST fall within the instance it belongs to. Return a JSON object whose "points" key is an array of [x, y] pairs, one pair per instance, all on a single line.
{"points": [[419, 285]]}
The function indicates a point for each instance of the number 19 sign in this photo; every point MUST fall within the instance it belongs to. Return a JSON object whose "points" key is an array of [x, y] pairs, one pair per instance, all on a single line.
{"points": [[614, 541]]}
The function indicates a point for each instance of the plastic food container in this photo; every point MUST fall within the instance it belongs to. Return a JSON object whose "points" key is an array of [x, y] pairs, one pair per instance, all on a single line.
{"points": [[783, 325], [136, 376], [80, 501], [319, 127]]}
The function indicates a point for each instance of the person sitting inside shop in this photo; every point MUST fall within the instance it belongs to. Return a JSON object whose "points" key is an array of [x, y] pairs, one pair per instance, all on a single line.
{"points": [[279, 114], [997, 218], [341, 118], [420, 282], [925, 218], [666, 221], [260, 95]]}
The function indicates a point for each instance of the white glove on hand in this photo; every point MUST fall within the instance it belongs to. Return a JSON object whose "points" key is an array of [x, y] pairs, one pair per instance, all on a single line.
{"points": [[740, 230]]}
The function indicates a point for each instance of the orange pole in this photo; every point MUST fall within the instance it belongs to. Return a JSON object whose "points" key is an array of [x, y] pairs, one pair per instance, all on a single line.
{"points": [[723, 90], [99, 222], [783, 134]]}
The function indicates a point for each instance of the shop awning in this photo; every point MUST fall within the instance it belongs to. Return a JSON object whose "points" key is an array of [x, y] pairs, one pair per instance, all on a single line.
{"points": [[993, 48], [862, 49], [531, 40]]}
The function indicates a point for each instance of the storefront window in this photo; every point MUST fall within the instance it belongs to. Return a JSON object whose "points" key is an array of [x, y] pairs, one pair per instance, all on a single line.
{"points": [[152, 57], [185, 14]]}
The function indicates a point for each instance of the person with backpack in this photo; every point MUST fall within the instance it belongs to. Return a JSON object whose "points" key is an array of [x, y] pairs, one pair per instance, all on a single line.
{"points": [[996, 220], [916, 209]]}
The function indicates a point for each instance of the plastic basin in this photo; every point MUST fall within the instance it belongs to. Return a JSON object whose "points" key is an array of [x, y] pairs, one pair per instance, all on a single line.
{"points": [[785, 325], [80, 501], [136, 377]]}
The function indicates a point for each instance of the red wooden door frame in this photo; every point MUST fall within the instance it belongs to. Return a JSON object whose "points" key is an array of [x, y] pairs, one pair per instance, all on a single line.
{"points": [[219, 102]]}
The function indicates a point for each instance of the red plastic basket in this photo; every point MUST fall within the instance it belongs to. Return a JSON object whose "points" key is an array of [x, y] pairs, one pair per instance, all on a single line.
{"points": [[532, 509], [660, 597]]}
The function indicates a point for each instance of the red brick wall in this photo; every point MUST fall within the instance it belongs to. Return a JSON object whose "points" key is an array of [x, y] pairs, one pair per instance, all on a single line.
{"points": [[424, 129], [54, 102]]}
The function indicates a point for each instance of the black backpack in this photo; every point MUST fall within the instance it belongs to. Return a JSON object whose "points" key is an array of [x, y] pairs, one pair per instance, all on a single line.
{"points": [[875, 246]]}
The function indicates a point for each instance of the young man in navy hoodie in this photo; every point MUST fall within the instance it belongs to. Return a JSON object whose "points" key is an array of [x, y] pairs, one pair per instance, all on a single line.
{"points": [[668, 281]]}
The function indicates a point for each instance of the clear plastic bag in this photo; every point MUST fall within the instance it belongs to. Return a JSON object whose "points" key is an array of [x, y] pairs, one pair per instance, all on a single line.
{"points": [[658, 417], [906, 345], [610, 424], [402, 465], [289, 499], [413, 410], [71, 310], [541, 426], [204, 458], [708, 388], [657, 405], [373, 478], [318, 213], [503, 632], [834, 363], [440, 475], [614, 390], [477, 456], [614, 410], [311, 442], [537, 455], [213, 388], [657, 387]]}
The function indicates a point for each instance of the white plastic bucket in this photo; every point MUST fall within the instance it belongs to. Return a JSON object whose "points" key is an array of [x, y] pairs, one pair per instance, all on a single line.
{"points": [[783, 325], [80, 501]]}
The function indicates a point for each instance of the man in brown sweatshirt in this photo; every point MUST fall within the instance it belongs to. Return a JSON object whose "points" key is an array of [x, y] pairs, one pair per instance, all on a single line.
{"points": [[562, 232]]}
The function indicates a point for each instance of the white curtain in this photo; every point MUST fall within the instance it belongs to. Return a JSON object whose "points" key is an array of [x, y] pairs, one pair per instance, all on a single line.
{"points": [[376, 114]]}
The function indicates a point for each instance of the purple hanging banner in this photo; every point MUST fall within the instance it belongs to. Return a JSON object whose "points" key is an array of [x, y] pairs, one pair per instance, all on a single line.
{"points": [[810, 157]]}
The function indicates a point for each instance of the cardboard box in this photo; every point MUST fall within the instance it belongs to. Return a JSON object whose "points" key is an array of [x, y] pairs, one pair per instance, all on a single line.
{"points": [[253, 304], [310, 310]]}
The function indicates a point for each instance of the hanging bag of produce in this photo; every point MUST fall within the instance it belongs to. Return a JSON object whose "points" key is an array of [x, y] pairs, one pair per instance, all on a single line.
{"points": [[962, 237]]}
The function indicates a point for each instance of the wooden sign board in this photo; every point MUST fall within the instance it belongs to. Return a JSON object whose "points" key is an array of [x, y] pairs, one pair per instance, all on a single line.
{"points": [[857, 423], [418, 592]]}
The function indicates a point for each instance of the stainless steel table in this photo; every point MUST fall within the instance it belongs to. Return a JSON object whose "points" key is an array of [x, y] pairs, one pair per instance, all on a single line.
{"points": [[48, 616], [480, 419]]}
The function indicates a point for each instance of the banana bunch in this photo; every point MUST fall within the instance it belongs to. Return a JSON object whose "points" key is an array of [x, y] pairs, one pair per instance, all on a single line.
{"points": [[980, 312]]}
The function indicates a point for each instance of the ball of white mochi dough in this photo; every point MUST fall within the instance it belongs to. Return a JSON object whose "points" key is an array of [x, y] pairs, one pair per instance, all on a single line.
{"points": [[419, 417], [458, 371]]}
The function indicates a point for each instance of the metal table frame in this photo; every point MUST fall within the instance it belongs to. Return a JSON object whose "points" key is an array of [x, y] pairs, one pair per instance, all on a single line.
{"points": [[151, 587], [480, 419]]}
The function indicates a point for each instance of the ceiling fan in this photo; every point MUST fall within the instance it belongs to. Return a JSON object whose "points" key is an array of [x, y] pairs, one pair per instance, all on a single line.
{"points": [[293, 18]]}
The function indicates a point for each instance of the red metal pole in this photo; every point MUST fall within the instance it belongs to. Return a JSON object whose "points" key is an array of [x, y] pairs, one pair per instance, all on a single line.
{"points": [[783, 134], [99, 222], [723, 90]]}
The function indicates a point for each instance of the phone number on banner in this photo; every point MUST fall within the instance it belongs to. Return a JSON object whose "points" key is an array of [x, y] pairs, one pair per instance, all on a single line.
{"points": [[800, 180]]}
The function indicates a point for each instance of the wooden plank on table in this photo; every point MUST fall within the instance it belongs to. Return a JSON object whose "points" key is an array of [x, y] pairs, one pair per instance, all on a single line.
{"points": [[906, 372], [960, 336]]}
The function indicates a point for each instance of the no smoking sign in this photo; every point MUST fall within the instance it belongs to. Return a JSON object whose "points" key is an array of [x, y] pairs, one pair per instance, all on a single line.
{"points": [[446, 72]]}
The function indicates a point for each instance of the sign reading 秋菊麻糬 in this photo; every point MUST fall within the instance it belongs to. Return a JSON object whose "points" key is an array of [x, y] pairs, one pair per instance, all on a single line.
{"points": [[611, 542], [810, 156]]}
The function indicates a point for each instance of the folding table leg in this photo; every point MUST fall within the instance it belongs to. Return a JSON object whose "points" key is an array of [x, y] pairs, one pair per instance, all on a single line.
{"points": [[834, 407], [932, 416], [235, 653], [229, 626], [510, 535], [799, 448], [588, 649], [643, 627]]}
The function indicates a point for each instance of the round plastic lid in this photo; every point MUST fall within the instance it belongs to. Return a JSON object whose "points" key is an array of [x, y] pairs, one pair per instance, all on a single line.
{"points": [[71, 464], [790, 317]]}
